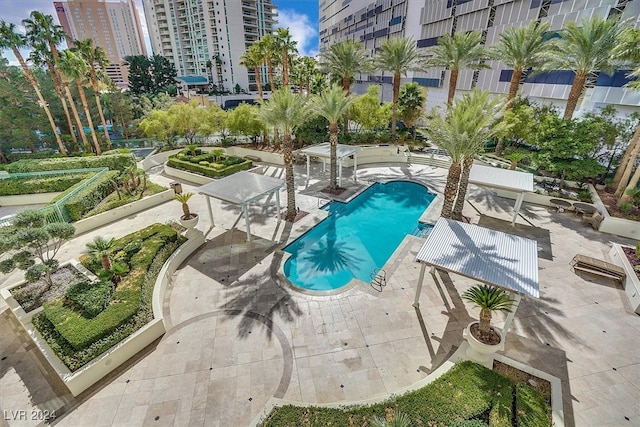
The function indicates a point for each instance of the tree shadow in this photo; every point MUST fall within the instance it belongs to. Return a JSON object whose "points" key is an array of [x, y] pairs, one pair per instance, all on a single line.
{"points": [[540, 235]]}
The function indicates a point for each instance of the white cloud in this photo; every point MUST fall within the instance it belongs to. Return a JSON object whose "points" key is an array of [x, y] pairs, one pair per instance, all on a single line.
{"points": [[301, 31]]}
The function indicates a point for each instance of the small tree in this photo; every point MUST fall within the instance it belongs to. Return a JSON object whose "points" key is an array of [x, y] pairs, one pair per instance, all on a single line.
{"points": [[100, 249], [31, 238], [489, 299], [411, 103], [183, 199], [367, 111], [244, 120]]}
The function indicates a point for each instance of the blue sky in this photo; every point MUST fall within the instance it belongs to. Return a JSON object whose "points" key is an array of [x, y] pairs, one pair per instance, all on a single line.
{"points": [[300, 16]]}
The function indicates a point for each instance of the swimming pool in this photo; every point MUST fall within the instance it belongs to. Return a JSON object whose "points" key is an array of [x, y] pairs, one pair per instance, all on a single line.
{"points": [[357, 237]]}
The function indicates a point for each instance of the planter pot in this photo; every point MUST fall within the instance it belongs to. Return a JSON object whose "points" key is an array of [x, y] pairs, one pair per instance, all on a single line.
{"points": [[478, 351], [601, 186], [190, 225]]}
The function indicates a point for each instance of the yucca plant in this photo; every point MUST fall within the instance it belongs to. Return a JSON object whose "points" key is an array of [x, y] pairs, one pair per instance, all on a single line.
{"points": [[489, 299], [184, 198], [398, 420]]}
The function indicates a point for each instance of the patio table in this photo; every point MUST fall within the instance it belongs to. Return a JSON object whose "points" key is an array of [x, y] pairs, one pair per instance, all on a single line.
{"points": [[560, 204], [584, 208]]}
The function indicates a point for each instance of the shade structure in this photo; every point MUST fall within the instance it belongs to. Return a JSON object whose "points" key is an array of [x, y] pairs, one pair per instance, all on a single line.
{"points": [[505, 179], [324, 152], [242, 189]]}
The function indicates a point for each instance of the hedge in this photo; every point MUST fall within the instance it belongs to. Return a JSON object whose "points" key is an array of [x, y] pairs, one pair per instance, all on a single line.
{"points": [[43, 184], [114, 162], [89, 197], [209, 171], [92, 298]]}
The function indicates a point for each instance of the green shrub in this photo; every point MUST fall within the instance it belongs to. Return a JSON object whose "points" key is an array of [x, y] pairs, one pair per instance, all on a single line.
{"points": [[184, 164], [585, 196], [203, 163], [626, 207], [92, 298], [43, 154], [87, 198], [115, 162], [112, 201], [638, 250], [43, 184], [470, 423], [531, 408]]}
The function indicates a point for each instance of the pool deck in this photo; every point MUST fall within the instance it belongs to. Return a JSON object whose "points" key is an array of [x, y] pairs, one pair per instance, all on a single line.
{"points": [[237, 336]]}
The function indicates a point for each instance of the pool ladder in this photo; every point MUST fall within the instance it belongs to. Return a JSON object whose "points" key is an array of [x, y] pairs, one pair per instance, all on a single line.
{"points": [[378, 279]]}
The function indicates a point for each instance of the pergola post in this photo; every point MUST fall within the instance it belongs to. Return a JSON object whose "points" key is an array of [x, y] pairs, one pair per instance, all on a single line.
{"points": [[278, 202], [516, 208], [355, 166], [507, 323], [245, 211], [210, 210], [416, 300]]}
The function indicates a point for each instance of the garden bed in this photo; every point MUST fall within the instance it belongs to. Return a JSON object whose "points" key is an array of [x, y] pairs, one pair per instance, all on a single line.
{"points": [[211, 164], [468, 391]]}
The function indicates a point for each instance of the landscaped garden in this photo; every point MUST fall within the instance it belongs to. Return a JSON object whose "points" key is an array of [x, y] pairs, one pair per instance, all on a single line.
{"points": [[467, 395], [214, 164]]}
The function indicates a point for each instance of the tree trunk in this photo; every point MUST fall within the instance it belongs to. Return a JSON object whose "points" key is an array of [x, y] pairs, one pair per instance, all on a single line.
{"points": [[624, 180], [106, 263], [462, 188], [451, 189], [43, 103], [346, 86], [76, 116], [289, 178], [635, 140], [625, 197], [396, 94], [96, 93], [270, 73], [285, 68], [258, 81], [333, 140], [513, 86], [58, 87], [485, 321], [85, 105], [574, 95], [499, 147], [453, 82]]}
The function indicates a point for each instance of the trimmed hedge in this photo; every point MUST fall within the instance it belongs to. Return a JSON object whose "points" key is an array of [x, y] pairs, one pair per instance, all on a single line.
{"points": [[44, 184], [114, 162], [89, 197], [92, 298], [531, 408], [209, 171]]}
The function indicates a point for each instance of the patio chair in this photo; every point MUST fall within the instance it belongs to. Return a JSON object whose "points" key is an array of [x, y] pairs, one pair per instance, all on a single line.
{"points": [[594, 219]]}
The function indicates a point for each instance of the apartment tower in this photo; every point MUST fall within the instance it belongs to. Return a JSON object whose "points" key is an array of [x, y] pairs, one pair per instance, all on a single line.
{"points": [[372, 21], [208, 37], [114, 25]]}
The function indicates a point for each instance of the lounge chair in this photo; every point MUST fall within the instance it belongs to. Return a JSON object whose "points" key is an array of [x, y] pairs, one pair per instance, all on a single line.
{"points": [[594, 219]]}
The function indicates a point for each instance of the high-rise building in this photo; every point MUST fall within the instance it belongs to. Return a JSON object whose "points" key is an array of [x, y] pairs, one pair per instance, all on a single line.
{"points": [[114, 25], [208, 37], [372, 21]]}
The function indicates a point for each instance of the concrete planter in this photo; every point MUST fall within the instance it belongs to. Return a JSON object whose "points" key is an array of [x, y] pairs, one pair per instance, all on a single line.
{"points": [[28, 199], [631, 282], [620, 227], [186, 176], [83, 378], [480, 352]]}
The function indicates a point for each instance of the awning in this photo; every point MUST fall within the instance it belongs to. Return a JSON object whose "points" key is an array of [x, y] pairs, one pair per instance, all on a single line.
{"points": [[324, 152], [242, 188], [504, 179]]}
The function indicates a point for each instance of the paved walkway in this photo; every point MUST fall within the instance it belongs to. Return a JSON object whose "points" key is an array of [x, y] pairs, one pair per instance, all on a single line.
{"points": [[238, 335]]}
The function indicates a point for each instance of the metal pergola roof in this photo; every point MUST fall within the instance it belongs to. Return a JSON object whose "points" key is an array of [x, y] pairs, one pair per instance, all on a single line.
{"points": [[242, 188], [504, 179], [489, 256], [324, 150]]}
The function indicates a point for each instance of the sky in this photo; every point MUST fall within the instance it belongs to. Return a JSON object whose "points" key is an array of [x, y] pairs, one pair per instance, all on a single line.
{"points": [[300, 16]]}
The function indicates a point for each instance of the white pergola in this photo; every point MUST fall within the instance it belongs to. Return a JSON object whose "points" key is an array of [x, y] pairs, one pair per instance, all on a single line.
{"points": [[323, 151], [242, 189], [504, 179], [489, 256]]}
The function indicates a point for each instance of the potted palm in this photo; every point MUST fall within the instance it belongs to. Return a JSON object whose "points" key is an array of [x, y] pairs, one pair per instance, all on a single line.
{"points": [[483, 339], [189, 219]]}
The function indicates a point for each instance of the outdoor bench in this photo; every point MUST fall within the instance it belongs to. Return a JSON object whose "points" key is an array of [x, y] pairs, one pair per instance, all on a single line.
{"points": [[599, 267]]}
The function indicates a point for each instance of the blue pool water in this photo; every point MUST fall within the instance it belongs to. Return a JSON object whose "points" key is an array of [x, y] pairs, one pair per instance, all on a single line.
{"points": [[357, 237]]}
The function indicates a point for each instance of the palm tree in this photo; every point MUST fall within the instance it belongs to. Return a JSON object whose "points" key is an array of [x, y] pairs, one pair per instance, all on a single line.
{"points": [[100, 248], [286, 46], [489, 299], [43, 36], [286, 112], [462, 50], [267, 47], [252, 58], [344, 60], [521, 48], [183, 198], [585, 49], [461, 133], [93, 55], [9, 39], [75, 69], [332, 104], [397, 55]]}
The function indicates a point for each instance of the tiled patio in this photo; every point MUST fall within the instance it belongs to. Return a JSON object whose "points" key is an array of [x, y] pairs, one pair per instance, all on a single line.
{"points": [[238, 335]]}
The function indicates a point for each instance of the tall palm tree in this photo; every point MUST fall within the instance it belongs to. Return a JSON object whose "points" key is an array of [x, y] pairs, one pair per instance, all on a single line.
{"points": [[252, 58], [331, 104], [470, 121], [286, 46], [92, 56], [9, 39], [344, 60], [43, 35], [462, 50], [75, 69], [286, 112], [521, 48], [397, 55], [309, 67], [268, 48], [585, 49]]}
